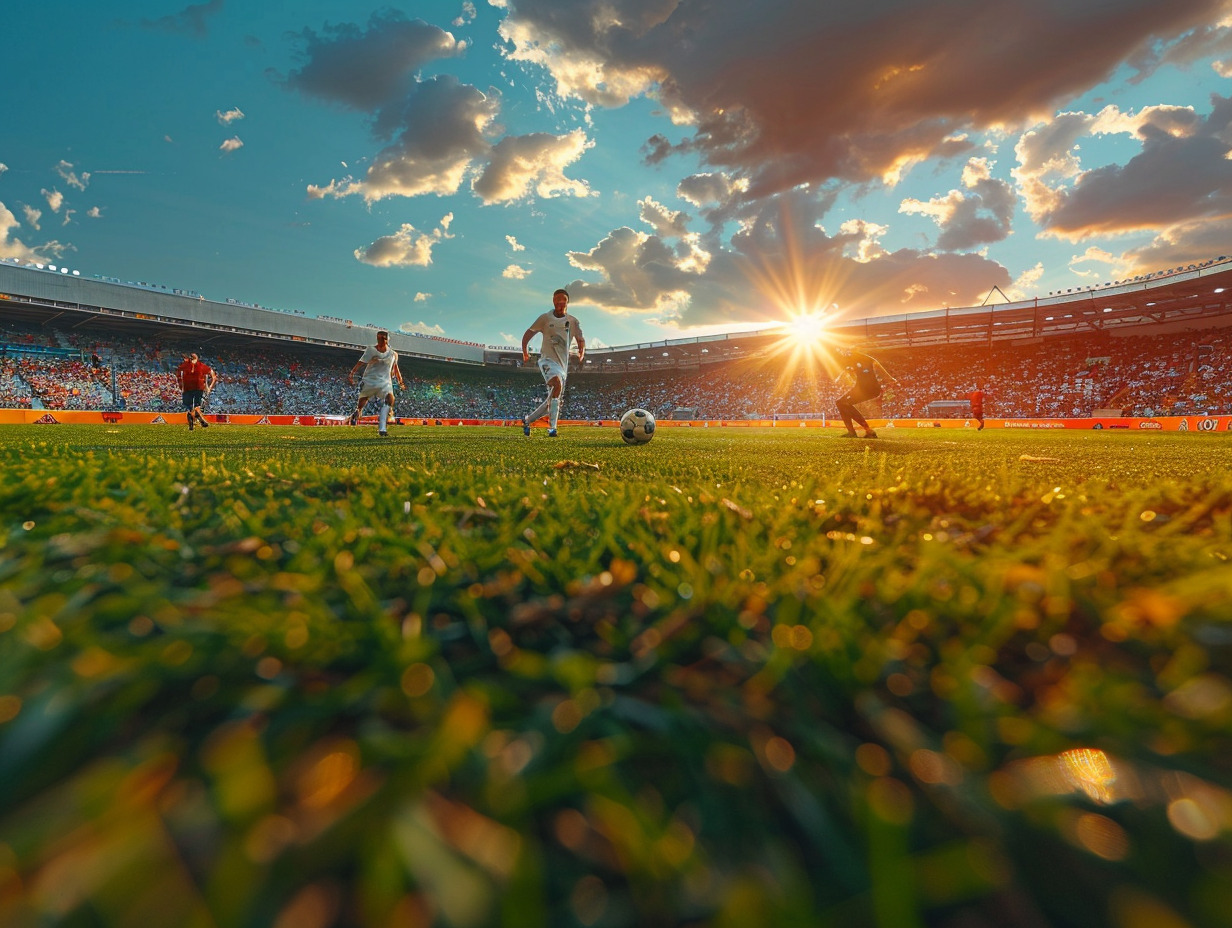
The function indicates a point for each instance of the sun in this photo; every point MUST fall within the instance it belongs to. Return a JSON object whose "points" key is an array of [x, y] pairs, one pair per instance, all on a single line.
{"points": [[808, 327]]}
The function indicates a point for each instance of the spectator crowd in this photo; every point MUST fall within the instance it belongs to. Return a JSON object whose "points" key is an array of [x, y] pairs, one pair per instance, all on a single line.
{"points": [[1175, 373]]}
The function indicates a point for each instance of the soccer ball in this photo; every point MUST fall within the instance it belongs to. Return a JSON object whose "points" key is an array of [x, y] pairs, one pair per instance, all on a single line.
{"points": [[637, 427]]}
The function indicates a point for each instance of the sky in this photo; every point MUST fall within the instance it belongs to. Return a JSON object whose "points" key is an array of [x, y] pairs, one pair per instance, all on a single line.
{"points": [[683, 167]]}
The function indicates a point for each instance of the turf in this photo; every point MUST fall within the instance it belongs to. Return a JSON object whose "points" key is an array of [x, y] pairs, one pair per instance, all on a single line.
{"points": [[257, 675]]}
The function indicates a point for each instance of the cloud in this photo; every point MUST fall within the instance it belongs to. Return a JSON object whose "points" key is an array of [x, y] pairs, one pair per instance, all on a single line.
{"points": [[467, 16], [229, 116], [193, 20], [11, 247], [1111, 263], [3, 168], [367, 69], [513, 244], [515, 272], [443, 122], [421, 328], [1177, 245], [438, 132], [231, 144], [95, 212], [779, 261], [407, 247], [55, 199], [967, 220], [65, 170], [1026, 283], [1181, 174], [422, 297], [805, 93], [711, 189], [32, 216], [534, 163]]}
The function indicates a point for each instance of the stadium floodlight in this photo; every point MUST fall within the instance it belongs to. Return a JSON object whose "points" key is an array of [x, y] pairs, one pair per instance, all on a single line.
{"points": [[50, 267], [1219, 289]]}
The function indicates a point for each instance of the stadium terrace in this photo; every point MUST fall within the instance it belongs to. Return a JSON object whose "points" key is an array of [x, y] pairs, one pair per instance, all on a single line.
{"points": [[1153, 346]]}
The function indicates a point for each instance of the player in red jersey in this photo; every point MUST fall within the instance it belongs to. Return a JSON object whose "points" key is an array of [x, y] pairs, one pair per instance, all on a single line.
{"points": [[196, 380], [977, 406]]}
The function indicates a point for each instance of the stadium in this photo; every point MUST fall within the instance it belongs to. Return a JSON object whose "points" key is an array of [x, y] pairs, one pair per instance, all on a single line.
{"points": [[1149, 349], [746, 674]]}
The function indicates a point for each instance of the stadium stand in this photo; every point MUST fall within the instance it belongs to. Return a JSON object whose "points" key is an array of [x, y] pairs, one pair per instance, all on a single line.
{"points": [[1068, 358]]}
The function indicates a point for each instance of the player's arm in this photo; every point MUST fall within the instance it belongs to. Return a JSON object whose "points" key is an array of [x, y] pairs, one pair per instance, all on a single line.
{"points": [[526, 337], [579, 338], [881, 367], [355, 370], [397, 372]]}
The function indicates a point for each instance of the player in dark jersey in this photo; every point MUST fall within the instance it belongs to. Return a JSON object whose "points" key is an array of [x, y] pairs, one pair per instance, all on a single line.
{"points": [[861, 370]]}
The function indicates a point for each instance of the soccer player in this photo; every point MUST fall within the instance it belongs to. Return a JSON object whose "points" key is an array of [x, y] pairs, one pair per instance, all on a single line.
{"points": [[557, 327], [977, 406], [380, 368], [861, 370], [196, 380]]}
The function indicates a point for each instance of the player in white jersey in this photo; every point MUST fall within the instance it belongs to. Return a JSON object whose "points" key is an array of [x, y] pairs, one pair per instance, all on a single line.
{"points": [[380, 367], [557, 328]]}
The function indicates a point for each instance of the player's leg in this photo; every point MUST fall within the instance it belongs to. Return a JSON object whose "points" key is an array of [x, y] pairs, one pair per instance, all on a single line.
{"points": [[849, 412], [542, 408], [539, 412], [188, 409], [556, 387], [360, 404], [387, 405], [854, 398]]}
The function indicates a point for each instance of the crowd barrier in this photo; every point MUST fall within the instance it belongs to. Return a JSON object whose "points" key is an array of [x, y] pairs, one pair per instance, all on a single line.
{"points": [[1158, 424]]}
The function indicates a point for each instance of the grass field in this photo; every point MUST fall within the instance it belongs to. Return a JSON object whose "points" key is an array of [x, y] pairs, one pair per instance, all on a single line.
{"points": [[256, 676]]}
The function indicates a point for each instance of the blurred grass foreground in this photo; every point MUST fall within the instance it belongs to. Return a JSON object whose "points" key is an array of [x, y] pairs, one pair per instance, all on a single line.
{"points": [[304, 678]]}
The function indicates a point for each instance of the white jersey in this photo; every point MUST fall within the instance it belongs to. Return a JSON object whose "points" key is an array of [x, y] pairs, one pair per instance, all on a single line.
{"points": [[557, 331], [378, 371]]}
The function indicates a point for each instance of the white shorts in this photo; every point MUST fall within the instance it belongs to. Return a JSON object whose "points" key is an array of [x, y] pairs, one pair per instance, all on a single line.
{"points": [[549, 369], [369, 390]]}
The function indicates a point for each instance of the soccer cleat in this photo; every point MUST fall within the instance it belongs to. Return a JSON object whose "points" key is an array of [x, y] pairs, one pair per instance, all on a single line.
{"points": [[525, 428], [869, 433], [383, 434], [354, 420], [551, 433], [204, 424], [849, 435]]}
